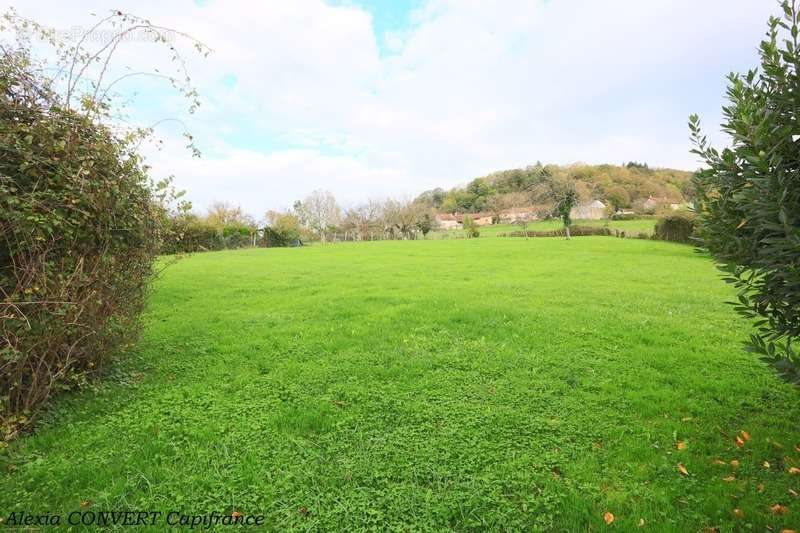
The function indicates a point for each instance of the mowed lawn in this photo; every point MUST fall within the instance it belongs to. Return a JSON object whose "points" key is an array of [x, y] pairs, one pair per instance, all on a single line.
{"points": [[633, 227], [431, 385]]}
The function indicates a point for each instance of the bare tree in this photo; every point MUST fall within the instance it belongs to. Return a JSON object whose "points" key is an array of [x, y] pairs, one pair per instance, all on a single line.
{"points": [[319, 212], [400, 216], [349, 223], [363, 219], [368, 217], [522, 220]]}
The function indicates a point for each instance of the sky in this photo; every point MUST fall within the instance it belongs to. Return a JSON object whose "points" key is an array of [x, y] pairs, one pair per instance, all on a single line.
{"points": [[369, 99]]}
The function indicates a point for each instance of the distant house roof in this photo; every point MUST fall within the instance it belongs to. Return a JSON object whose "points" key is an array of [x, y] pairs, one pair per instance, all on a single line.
{"points": [[597, 203], [474, 216], [517, 211], [653, 200], [459, 217]]}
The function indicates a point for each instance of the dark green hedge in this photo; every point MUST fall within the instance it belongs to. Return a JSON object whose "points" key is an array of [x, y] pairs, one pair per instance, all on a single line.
{"points": [[676, 227], [575, 231]]}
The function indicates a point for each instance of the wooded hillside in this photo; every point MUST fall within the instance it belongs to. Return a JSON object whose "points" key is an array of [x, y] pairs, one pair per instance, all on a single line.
{"points": [[621, 187]]}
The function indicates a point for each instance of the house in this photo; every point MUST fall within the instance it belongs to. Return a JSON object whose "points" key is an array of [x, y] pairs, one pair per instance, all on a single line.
{"points": [[514, 214], [480, 219], [592, 211], [652, 203], [448, 221]]}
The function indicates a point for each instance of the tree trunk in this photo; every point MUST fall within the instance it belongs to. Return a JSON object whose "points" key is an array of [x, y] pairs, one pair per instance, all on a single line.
{"points": [[567, 228]]}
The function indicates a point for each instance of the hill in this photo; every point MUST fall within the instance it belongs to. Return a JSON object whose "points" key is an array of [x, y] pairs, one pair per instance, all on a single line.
{"points": [[622, 187]]}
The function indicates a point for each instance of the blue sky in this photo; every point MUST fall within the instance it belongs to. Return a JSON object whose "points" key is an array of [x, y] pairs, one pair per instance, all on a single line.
{"points": [[370, 99], [387, 16]]}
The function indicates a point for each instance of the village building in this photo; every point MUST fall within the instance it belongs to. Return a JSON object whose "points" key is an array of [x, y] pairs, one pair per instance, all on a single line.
{"points": [[514, 214], [652, 203], [455, 221], [480, 219], [447, 221], [595, 210]]}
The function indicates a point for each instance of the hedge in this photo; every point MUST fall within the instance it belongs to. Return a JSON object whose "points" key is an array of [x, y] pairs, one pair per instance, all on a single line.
{"points": [[80, 226], [676, 227]]}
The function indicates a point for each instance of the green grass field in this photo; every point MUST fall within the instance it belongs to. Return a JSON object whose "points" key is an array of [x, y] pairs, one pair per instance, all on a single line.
{"points": [[430, 385], [630, 226]]}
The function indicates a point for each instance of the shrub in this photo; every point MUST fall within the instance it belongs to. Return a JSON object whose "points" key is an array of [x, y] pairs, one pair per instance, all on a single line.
{"points": [[748, 195], [675, 227], [80, 226], [190, 233], [80, 220], [276, 239], [283, 230], [575, 231], [470, 228], [237, 236]]}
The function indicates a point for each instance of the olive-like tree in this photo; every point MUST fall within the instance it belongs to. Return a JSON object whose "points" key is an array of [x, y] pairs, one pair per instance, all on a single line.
{"points": [[748, 195], [565, 199]]}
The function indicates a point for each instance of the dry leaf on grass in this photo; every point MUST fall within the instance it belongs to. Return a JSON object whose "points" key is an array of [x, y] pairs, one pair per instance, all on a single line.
{"points": [[794, 470], [641, 522], [680, 445], [738, 513], [741, 438], [729, 478], [735, 463], [766, 464], [86, 503], [608, 518], [779, 509], [682, 470]]}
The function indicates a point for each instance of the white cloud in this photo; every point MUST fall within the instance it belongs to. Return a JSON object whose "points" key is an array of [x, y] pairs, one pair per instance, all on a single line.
{"points": [[258, 181], [298, 96]]}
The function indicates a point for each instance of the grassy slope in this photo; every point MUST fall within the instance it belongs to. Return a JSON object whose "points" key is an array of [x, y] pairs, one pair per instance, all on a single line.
{"points": [[436, 384], [631, 226]]}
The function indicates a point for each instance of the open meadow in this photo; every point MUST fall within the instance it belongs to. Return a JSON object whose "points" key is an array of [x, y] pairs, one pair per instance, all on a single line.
{"points": [[631, 227], [431, 385]]}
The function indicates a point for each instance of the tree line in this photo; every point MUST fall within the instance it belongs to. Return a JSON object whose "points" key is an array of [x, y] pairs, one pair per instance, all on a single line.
{"points": [[550, 190], [317, 217]]}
